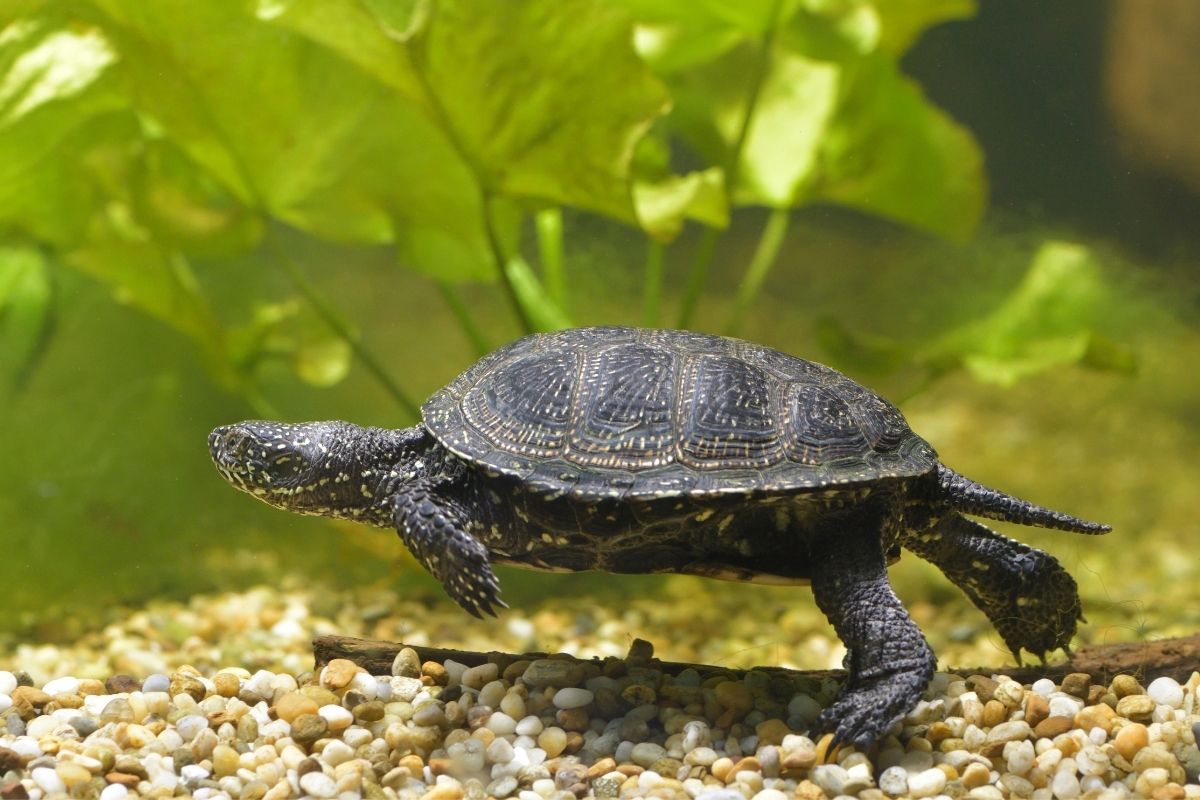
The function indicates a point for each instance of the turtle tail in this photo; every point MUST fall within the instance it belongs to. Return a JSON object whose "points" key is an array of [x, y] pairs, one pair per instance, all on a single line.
{"points": [[969, 497]]}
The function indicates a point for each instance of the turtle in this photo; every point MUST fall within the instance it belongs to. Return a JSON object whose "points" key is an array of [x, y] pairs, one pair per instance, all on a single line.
{"points": [[633, 450]]}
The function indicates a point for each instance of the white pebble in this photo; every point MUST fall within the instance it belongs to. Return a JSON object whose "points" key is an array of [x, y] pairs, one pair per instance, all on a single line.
{"points": [[1166, 691], [5, 703], [454, 670], [572, 697], [501, 724], [48, 781], [336, 752], [259, 684], [830, 777], [71, 686], [1065, 785], [336, 717], [479, 676], [1064, 705], [114, 791], [1044, 686], [927, 783], [41, 726], [193, 773], [770, 794], [318, 784], [529, 726], [365, 684], [894, 781], [1019, 756], [383, 689], [8, 682], [500, 751]]}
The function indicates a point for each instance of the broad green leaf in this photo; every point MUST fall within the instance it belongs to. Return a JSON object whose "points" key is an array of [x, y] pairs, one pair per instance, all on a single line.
{"points": [[25, 306], [663, 206], [551, 113], [887, 26], [794, 107], [541, 309], [57, 90], [1047, 321], [159, 283], [324, 362], [888, 151]]}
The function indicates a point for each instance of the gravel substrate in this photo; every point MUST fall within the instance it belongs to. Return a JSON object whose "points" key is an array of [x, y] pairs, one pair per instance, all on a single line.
{"points": [[119, 715]]}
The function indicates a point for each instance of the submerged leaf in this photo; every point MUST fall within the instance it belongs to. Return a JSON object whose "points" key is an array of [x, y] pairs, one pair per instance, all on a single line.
{"points": [[663, 206], [539, 307], [25, 306]]}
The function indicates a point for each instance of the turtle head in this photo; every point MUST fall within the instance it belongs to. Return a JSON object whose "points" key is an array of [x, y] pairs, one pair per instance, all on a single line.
{"points": [[328, 468]]}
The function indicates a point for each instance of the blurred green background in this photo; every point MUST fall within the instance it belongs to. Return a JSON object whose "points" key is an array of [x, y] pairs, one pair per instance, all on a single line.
{"points": [[305, 210]]}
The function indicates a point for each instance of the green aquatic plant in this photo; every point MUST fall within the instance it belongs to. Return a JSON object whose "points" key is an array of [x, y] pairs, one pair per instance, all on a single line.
{"points": [[171, 150]]}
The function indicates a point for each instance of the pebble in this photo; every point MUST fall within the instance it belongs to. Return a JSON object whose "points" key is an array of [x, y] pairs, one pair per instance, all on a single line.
{"points": [[927, 783], [572, 697], [1130, 739], [1164, 691]]}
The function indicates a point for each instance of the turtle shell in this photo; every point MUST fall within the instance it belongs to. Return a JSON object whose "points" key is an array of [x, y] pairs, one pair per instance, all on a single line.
{"points": [[639, 413]]}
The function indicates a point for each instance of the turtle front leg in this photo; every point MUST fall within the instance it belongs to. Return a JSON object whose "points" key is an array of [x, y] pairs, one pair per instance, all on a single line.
{"points": [[433, 527], [1030, 599], [888, 661]]}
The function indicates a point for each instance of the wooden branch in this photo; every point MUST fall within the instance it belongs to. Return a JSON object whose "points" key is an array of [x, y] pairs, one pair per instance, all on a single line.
{"points": [[1175, 658]]}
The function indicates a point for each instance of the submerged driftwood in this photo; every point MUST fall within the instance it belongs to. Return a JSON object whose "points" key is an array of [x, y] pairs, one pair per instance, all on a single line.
{"points": [[1175, 658]]}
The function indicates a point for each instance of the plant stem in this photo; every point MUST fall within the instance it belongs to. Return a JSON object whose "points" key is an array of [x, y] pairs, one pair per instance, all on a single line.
{"points": [[652, 284], [549, 224], [335, 322], [697, 275], [700, 263], [765, 253], [463, 317], [501, 262]]}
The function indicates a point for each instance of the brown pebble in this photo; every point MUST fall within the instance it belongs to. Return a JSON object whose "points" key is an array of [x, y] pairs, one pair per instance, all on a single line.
{"points": [[575, 742], [938, 732], [572, 719], [1125, 685], [994, 712], [10, 759], [1137, 707], [370, 711], [307, 728], [123, 778], [772, 731], [601, 767], [1037, 708], [1100, 716], [983, 686], [14, 790], [440, 766], [1130, 739], [1051, 727], [186, 683], [338, 673], [749, 763], [117, 684], [1077, 684], [434, 674], [630, 770]]}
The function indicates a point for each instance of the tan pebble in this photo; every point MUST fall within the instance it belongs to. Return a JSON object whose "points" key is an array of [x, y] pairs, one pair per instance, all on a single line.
{"points": [[68, 700], [1150, 780], [445, 791], [1137, 707], [975, 775], [89, 686], [799, 760], [338, 673], [123, 778], [1100, 716], [553, 740], [938, 732], [631, 770], [601, 767], [187, 683], [440, 766], [722, 768], [1130, 739], [320, 695], [1125, 685], [950, 745], [994, 713], [915, 743], [747, 764], [292, 704], [280, 791], [772, 731], [225, 760], [807, 790], [33, 697], [1172, 791], [949, 771], [1037, 708], [1051, 727], [413, 763], [1077, 684], [72, 774], [1066, 744], [227, 684]]}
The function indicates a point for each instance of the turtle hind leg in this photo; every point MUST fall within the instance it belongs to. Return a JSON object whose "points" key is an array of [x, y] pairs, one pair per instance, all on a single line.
{"points": [[433, 528], [1030, 599], [888, 661]]}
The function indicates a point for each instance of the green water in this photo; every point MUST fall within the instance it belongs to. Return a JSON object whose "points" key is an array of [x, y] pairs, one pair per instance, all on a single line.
{"points": [[107, 497]]}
